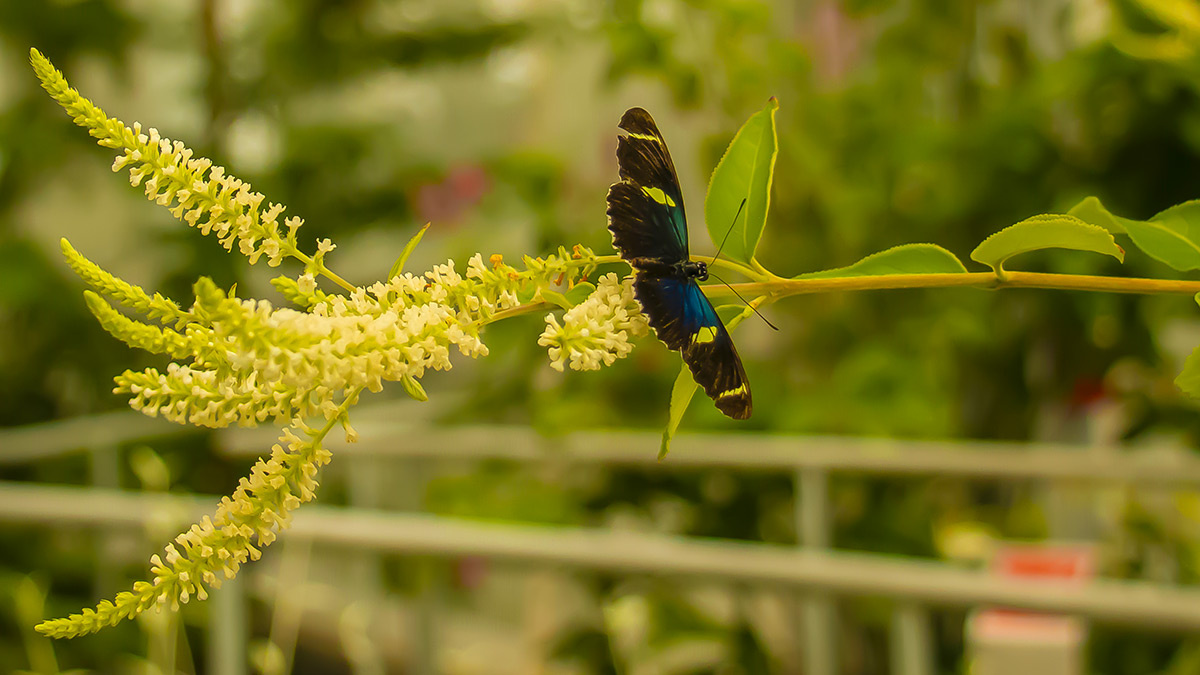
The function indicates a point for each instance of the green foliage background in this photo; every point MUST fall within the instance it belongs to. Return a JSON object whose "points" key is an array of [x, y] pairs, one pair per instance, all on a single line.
{"points": [[898, 122]]}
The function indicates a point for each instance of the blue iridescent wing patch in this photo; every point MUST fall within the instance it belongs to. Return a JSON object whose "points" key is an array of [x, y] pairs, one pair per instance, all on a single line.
{"points": [[649, 229]]}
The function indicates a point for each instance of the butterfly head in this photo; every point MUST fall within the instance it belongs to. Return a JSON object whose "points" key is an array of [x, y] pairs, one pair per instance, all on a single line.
{"points": [[695, 270]]}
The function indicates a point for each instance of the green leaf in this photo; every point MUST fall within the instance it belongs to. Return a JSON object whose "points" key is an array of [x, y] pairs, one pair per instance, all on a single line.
{"points": [[555, 297], [905, 259], [1092, 211], [1189, 379], [398, 266], [577, 294], [580, 292], [1048, 230], [685, 386], [526, 293], [744, 173], [1171, 237], [681, 396]]}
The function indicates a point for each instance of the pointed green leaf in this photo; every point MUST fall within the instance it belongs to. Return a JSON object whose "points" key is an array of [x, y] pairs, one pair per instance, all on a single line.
{"points": [[1092, 211], [905, 259], [685, 386], [744, 173], [681, 396], [1048, 230], [1171, 237], [398, 266]]}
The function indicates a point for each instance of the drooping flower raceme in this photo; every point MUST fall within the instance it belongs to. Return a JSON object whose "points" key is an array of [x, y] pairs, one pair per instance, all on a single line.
{"points": [[212, 550]]}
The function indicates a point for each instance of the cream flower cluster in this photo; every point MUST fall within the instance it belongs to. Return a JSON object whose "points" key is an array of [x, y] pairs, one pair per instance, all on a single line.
{"points": [[250, 362], [595, 332], [212, 550]]}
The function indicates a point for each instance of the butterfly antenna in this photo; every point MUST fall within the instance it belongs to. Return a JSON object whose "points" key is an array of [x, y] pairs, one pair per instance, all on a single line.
{"points": [[728, 232], [739, 296]]}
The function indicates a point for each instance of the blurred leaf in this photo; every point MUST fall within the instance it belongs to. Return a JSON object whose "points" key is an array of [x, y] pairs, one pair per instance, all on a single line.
{"points": [[150, 468], [29, 604], [429, 46], [267, 657], [905, 259], [744, 173], [1041, 232], [1181, 14], [1189, 379], [1171, 237], [499, 492]]}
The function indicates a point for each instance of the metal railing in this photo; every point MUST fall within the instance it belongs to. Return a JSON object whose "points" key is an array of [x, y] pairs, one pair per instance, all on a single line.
{"points": [[815, 571]]}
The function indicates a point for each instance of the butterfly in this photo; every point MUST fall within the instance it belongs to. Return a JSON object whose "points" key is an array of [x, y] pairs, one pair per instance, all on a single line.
{"points": [[649, 229]]}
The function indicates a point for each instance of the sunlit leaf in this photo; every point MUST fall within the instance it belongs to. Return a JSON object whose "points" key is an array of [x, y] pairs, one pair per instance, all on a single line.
{"points": [[744, 173], [1045, 231], [1090, 210], [905, 259], [1171, 237]]}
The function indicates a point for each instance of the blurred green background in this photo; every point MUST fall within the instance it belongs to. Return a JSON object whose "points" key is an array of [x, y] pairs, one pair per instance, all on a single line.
{"points": [[900, 121]]}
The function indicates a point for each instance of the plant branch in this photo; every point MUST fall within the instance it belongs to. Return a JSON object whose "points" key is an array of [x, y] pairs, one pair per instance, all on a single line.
{"points": [[325, 271], [987, 280], [744, 270], [527, 308]]}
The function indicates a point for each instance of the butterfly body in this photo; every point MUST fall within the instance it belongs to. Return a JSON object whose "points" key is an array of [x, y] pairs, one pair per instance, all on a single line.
{"points": [[683, 271], [649, 229]]}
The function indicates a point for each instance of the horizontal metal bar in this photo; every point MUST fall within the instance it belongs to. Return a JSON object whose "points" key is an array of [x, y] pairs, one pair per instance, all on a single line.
{"points": [[760, 452], [37, 442], [1137, 604], [392, 430], [44, 440]]}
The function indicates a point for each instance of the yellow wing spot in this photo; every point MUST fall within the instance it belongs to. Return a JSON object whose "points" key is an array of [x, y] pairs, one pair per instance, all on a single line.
{"points": [[659, 196], [733, 392], [705, 334], [644, 137]]}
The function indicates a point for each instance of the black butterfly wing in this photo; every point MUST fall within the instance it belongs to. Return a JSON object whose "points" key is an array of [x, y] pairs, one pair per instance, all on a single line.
{"points": [[642, 229], [686, 322], [649, 228], [645, 164]]}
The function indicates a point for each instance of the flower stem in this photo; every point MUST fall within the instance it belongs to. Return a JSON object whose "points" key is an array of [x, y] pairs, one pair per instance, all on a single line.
{"points": [[527, 308], [987, 280], [325, 271]]}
